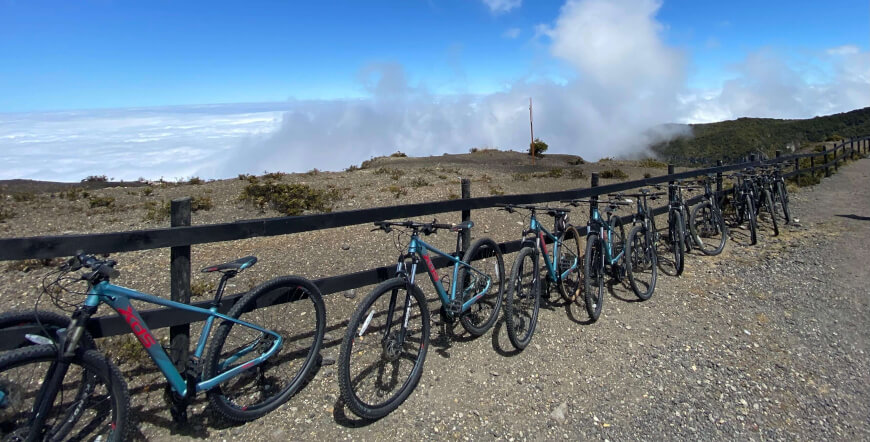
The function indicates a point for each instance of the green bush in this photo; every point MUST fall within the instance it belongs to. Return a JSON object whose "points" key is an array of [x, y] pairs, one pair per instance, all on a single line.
{"points": [[96, 179], [101, 201], [195, 181], [276, 176], [21, 197], [201, 203], [652, 163], [576, 174], [576, 161], [289, 199], [615, 174], [156, 211], [148, 191], [419, 182], [521, 176], [540, 148], [397, 191], [395, 174]]}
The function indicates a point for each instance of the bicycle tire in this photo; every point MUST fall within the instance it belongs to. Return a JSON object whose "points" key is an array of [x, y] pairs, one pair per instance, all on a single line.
{"points": [[483, 255], [768, 203], [749, 215], [707, 221], [675, 229], [640, 257], [593, 276], [688, 241], [49, 320], [569, 259], [352, 376], [104, 411], [782, 190], [523, 298], [278, 305]]}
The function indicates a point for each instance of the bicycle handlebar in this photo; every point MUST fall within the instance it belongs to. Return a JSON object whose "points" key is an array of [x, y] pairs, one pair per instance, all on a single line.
{"points": [[510, 208], [101, 267]]}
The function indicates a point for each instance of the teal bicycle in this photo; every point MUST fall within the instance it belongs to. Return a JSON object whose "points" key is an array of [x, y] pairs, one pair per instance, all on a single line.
{"points": [[605, 252], [61, 388], [383, 351], [523, 297]]}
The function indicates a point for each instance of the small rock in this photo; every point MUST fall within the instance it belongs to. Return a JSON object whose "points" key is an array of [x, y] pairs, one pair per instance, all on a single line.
{"points": [[328, 360], [345, 247], [558, 413], [350, 294]]}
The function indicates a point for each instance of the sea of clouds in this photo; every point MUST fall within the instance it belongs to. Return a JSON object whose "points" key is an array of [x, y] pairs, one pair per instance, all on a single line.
{"points": [[622, 84]]}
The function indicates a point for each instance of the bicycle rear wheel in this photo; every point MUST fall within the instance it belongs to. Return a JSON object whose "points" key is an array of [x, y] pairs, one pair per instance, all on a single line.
{"points": [[641, 262], [593, 276], [569, 260], [768, 206], [99, 412], [485, 256], [384, 348], [523, 298], [290, 306], [749, 216], [708, 229]]}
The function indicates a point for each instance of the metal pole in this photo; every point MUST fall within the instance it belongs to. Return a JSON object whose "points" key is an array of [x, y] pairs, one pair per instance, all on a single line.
{"points": [[179, 274], [466, 213], [532, 132]]}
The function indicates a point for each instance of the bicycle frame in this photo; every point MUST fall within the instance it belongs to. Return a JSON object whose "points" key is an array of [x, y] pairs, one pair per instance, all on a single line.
{"points": [[419, 249], [541, 243], [602, 226], [119, 299]]}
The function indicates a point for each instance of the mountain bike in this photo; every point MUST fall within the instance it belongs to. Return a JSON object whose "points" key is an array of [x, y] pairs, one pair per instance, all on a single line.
{"points": [[641, 258], [383, 351], [762, 188], [679, 239], [247, 370], [523, 295], [740, 204], [780, 194], [605, 253], [706, 223]]}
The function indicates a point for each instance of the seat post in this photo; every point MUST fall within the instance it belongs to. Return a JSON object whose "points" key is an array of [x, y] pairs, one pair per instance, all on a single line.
{"points": [[221, 286]]}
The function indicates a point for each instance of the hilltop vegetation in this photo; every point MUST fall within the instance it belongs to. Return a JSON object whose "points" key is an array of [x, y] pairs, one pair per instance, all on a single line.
{"points": [[730, 140]]}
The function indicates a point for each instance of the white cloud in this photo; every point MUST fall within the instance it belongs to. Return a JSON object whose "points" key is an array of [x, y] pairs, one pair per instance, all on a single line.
{"points": [[511, 33], [502, 6], [768, 85]]}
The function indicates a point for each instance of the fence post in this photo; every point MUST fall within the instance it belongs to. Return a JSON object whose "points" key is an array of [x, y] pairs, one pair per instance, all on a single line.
{"points": [[594, 199], [466, 214], [797, 167], [836, 158], [752, 158], [670, 189], [813, 165], [825, 163], [179, 274], [778, 153], [718, 177]]}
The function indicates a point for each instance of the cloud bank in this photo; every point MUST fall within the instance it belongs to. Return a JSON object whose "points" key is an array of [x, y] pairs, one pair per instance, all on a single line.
{"points": [[619, 85]]}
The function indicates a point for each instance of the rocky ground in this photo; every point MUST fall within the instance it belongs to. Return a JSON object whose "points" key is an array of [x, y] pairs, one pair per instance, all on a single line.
{"points": [[761, 342]]}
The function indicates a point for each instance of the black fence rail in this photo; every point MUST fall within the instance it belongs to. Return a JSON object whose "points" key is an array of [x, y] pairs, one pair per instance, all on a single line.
{"points": [[181, 236]]}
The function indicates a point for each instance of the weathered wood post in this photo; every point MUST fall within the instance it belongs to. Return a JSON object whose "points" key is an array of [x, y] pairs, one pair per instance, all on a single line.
{"points": [[825, 155], [179, 274], [670, 183], [718, 177], [466, 213], [797, 166], [594, 203]]}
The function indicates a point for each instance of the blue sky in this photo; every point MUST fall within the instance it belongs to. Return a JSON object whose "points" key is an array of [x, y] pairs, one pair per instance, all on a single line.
{"points": [[97, 54], [422, 76]]}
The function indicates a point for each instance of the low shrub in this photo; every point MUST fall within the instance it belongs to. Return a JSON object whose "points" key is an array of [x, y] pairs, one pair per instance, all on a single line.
{"points": [[21, 197], [397, 191], [652, 163], [521, 176], [395, 174], [96, 179], [289, 199], [198, 203], [6, 213], [615, 174], [576, 174], [398, 154], [101, 201], [195, 181], [576, 161], [419, 182]]}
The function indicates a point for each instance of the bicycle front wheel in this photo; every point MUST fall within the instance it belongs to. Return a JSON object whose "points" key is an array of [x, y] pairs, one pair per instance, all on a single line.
{"points": [[485, 256], [99, 412], [675, 228], [383, 350], [290, 306], [782, 193], [708, 229], [749, 216], [523, 298], [641, 262], [768, 205], [593, 280]]}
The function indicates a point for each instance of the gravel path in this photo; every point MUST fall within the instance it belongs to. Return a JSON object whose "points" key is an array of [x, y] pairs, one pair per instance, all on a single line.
{"points": [[763, 342]]}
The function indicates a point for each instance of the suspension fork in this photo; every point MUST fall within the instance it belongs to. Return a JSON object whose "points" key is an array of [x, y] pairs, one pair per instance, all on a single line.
{"points": [[406, 310], [57, 370]]}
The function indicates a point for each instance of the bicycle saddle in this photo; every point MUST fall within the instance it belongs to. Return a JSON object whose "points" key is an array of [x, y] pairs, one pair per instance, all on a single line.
{"points": [[237, 265]]}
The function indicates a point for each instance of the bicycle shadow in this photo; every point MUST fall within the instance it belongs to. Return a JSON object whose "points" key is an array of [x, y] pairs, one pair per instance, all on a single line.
{"points": [[855, 217]]}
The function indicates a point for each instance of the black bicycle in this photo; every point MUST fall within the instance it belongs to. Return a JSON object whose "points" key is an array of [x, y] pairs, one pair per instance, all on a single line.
{"points": [[641, 259], [706, 223], [739, 206]]}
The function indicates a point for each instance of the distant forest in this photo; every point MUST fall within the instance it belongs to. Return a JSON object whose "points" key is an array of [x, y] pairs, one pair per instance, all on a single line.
{"points": [[731, 140]]}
